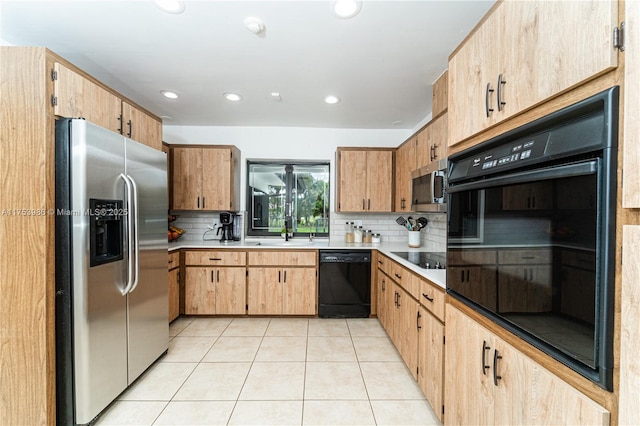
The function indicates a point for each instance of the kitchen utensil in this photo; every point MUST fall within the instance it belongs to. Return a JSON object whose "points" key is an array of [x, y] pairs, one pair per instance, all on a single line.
{"points": [[401, 221], [422, 222], [412, 223]]}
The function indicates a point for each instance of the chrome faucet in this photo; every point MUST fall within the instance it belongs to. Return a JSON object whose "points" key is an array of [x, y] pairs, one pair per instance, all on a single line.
{"points": [[311, 236]]}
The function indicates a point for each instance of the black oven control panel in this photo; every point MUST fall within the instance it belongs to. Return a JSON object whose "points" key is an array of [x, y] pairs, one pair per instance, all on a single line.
{"points": [[514, 154]]}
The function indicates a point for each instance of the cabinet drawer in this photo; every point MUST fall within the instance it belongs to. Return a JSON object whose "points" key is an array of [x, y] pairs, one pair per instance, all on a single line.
{"points": [[384, 264], [217, 257], [174, 259], [524, 257], [468, 257], [432, 298], [282, 258], [407, 280]]}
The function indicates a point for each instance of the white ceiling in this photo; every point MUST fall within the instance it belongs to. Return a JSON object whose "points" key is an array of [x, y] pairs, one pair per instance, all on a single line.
{"points": [[381, 63]]}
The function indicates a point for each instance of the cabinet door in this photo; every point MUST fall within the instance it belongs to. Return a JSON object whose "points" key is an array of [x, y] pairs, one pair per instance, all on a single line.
{"points": [[80, 97], [199, 291], [141, 127], [174, 294], [405, 164], [471, 68], [431, 359], [216, 179], [408, 331], [353, 181], [438, 138], [231, 287], [468, 389], [422, 148], [524, 288], [383, 291], [379, 181], [264, 291], [187, 178], [299, 291]]}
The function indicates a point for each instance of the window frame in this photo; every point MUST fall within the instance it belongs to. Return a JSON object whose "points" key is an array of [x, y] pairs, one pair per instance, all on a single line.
{"points": [[284, 163]]}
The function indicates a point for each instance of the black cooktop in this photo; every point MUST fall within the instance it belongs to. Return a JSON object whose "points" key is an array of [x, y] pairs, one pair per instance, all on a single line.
{"points": [[424, 259]]}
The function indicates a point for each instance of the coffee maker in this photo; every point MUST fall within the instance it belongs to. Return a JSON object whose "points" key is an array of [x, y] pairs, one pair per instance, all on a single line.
{"points": [[226, 222]]}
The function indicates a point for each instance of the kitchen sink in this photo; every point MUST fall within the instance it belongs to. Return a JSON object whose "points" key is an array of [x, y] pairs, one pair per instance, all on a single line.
{"points": [[283, 243]]}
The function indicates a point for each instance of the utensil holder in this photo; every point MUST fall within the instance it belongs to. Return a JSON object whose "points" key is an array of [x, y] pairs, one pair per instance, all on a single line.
{"points": [[414, 239]]}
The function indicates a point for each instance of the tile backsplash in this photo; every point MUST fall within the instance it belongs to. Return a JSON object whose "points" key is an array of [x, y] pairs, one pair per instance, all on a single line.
{"points": [[433, 237]]}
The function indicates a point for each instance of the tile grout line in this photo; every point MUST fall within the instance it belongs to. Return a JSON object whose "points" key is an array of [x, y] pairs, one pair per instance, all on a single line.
{"points": [[366, 389]]}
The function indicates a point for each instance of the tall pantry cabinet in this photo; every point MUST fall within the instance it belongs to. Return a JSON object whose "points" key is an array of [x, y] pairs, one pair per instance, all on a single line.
{"points": [[29, 89]]}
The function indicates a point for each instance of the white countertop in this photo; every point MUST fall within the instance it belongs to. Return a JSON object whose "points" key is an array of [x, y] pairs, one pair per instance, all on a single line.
{"points": [[437, 276]]}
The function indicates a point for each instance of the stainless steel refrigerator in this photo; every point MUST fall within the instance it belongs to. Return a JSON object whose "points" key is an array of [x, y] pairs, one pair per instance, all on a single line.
{"points": [[111, 266]]}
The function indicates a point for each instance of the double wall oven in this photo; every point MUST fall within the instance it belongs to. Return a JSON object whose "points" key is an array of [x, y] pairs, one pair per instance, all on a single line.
{"points": [[531, 233]]}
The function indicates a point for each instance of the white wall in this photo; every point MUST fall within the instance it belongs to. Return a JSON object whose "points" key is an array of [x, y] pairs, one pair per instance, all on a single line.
{"points": [[296, 143]]}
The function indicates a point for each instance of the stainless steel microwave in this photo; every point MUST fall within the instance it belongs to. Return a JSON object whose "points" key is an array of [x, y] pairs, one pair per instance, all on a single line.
{"points": [[428, 186]]}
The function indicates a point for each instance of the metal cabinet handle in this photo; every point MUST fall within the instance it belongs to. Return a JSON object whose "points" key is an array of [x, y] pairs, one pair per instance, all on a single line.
{"points": [[218, 276], [485, 348], [285, 276], [383, 285], [279, 272], [398, 276], [363, 204], [130, 125], [368, 203], [121, 128], [501, 82], [426, 296], [203, 202], [215, 258], [486, 100], [380, 262], [198, 202], [170, 262], [418, 326], [212, 275], [399, 300], [496, 377]]}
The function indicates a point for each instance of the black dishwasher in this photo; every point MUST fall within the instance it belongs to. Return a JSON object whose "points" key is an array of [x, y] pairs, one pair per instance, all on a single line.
{"points": [[344, 284]]}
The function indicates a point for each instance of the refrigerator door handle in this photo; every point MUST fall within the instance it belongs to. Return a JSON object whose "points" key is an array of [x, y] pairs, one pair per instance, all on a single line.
{"points": [[136, 240], [130, 242]]}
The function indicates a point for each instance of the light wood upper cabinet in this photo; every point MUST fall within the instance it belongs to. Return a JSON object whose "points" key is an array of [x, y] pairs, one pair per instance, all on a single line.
{"points": [[141, 127], [78, 97], [488, 381], [439, 94], [365, 180], [205, 178], [405, 164], [523, 54], [432, 142]]}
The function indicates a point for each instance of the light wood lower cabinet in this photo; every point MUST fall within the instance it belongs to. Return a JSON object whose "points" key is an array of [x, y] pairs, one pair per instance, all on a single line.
{"points": [[174, 285], [490, 382], [414, 327], [431, 359], [215, 291], [281, 291]]}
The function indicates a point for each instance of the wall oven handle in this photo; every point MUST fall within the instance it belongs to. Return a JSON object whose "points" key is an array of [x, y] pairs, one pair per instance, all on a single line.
{"points": [[577, 169]]}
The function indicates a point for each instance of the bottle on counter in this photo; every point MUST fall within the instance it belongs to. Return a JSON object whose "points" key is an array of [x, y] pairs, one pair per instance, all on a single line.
{"points": [[357, 234], [366, 236], [376, 238], [349, 236]]}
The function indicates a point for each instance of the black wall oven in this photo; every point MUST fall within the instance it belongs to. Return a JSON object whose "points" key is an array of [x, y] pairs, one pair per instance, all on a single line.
{"points": [[531, 233]]}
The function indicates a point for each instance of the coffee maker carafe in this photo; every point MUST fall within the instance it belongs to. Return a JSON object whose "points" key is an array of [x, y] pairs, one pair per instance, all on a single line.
{"points": [[226, 220]]}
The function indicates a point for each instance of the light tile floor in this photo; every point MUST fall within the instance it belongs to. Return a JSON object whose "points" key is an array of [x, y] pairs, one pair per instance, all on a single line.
{"points": [[274, 371]]}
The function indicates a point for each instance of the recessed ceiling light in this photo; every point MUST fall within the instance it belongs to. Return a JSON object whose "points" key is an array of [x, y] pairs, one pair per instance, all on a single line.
{"points": [[169, 94], [255, 25], [170, 6], [397, 123], [166, 117], [276, 96], [232, 97], [346, 9], [331, 99]]}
